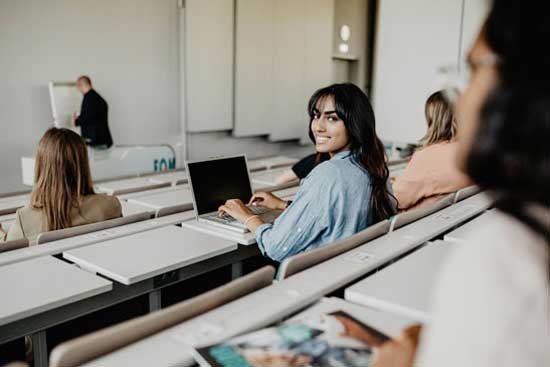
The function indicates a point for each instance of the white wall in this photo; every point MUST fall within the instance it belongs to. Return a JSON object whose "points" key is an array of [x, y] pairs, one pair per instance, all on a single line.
{"points": [[475, 12], [128, 47], [413, 39]]}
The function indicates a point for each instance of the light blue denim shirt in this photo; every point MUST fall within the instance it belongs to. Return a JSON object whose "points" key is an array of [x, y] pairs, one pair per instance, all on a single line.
{"points": [[332, 203]]}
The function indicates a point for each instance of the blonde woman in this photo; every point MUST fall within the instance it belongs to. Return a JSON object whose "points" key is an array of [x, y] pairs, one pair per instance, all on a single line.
{"points": [[432, 171], [63, 194]]}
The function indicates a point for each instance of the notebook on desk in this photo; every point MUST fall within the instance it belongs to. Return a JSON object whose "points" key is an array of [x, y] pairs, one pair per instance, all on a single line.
{"points": [[325, 340], [215, 181]]}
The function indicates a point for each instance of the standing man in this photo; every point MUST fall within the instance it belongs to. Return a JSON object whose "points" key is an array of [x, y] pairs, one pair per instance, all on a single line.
{"points": [[93, 116]]}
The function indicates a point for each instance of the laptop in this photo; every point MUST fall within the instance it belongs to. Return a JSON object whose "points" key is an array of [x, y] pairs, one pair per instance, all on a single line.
{"points": [[215, 181]]}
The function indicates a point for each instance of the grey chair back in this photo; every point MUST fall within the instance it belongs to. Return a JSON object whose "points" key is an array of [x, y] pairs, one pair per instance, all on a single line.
{"points": [[413, 215], [92, 227], [305, 260], [13, 245], [466, 193]]}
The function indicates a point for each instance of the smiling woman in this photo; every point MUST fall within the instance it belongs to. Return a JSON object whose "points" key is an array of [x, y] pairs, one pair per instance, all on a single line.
{"points": [[329, 132], [341, 196]]}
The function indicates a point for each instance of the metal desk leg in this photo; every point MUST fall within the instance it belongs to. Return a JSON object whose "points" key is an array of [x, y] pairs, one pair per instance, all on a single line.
{"points": [[236, 270], [155, 300], [40, 349]]}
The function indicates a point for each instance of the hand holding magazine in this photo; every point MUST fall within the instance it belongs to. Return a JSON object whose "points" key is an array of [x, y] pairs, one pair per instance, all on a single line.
{"points": [[328, 340]]}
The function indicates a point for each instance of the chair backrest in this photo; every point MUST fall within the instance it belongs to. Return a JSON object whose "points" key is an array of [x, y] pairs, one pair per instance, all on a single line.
{"points": [[88, 347], [410, 216], [173, 210], [466, 193], [13, 245], [14, 193], [92, 227], [304, 260]]}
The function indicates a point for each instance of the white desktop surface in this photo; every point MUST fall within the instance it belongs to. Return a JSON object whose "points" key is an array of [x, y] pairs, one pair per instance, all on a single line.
{"points": [[172, 347], [57, 247], [268, 177], [38, 285], [138, 194], [132, 208], [287, 193], [404, 287], [112, 187], [165, 199], [12, 203], [174, 178], [461, 234], [278, 161], [134, 258], [256, 165], [245, 239], [390, 324]]}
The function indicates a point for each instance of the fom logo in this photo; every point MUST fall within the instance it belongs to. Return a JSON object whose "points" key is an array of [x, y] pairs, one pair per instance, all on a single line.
{"points": [[164, 164]]}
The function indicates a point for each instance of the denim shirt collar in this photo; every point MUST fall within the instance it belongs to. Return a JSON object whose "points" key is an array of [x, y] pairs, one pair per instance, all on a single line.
{"points": [[342, 155]]}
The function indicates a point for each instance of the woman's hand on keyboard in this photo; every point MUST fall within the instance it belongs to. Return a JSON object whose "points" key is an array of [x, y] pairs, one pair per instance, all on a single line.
{"points": [[236, 209], [267, 200]]}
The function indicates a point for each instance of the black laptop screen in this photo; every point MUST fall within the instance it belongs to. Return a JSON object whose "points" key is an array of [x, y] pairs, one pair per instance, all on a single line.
{"points": [[216, 181]]}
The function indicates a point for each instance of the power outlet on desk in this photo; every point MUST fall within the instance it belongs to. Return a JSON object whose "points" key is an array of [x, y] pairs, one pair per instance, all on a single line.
{"points": [[166, 278]]}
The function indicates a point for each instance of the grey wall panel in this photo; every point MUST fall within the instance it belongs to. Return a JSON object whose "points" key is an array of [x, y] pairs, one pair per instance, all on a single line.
{"points": [[254, 67], [288, 70], [209, 65], [353, 13], [319, 66]]}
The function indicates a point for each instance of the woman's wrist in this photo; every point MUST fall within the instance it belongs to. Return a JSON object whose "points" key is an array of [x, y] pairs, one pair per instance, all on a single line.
{"points": [[249, 218], [253, 222], [283, 204]]}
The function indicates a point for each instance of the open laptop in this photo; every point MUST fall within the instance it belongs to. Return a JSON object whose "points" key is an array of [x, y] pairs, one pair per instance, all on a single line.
{"points": [[215, 181]]}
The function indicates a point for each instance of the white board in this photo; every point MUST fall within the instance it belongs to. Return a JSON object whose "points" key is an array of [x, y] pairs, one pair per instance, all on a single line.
{"points": [[65, 100]]}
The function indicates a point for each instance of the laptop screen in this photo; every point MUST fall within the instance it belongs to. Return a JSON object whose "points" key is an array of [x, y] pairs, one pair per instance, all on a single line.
{"points": [[216, 181]]}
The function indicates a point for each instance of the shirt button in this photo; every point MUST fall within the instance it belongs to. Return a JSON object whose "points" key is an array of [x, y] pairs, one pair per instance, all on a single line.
{"points": [[299, 230], [285, 248]]}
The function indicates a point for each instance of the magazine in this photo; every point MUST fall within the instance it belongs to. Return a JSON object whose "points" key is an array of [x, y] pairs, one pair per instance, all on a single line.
{"points": [[328, 340]]}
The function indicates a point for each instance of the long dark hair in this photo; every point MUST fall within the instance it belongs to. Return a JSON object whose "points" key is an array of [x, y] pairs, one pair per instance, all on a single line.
{"points": [[353, 107], [511, 154]]}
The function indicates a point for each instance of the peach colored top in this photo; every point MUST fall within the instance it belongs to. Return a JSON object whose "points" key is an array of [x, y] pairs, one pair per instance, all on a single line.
{"points": [[431, 172]]}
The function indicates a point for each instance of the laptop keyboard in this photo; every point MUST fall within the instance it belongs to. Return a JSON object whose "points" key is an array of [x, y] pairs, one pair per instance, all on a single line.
{"points": [[227, 219]]}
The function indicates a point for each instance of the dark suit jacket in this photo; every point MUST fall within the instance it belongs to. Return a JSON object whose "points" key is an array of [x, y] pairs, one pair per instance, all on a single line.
{"points": [[93, 120]]}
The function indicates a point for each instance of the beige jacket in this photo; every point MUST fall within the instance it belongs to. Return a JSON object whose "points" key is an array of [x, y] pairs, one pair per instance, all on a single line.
{"points": [[30, 222], [431, 172]]}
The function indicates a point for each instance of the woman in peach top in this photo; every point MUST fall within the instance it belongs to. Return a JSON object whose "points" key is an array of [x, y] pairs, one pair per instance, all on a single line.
{"points": [[432, 171]]}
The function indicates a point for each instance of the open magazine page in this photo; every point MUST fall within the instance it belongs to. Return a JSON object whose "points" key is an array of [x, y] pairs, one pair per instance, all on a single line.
{"points": [[330, 340]]}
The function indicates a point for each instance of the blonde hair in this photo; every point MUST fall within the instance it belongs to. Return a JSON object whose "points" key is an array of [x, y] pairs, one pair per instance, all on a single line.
{"points": [[62, 176], [440, 119]]}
